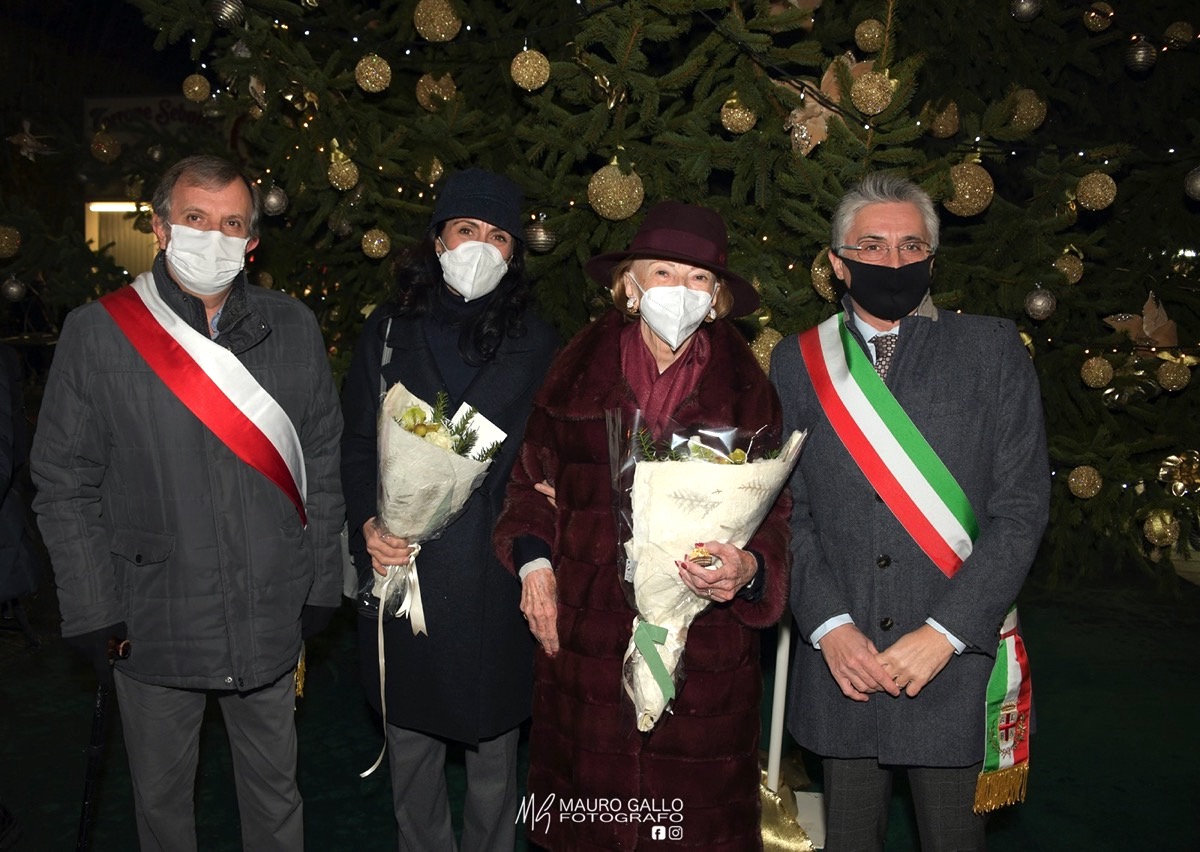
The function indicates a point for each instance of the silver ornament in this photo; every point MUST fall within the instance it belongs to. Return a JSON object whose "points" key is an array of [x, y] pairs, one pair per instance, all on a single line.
{"points": [[228, 13], [155, 153], [1040, 304], [1191, 184], [275, 201], [13, 289], [538, 237], [1140, 55], [1025, 10]]}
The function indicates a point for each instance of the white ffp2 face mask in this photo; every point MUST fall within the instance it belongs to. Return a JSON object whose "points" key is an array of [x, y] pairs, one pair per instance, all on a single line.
{"points": [[673, 312], [472, 268], [204, 262]]}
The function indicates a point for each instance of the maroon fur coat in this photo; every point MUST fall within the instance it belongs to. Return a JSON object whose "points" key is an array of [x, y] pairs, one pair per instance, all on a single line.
{"points": [[584, 743]]}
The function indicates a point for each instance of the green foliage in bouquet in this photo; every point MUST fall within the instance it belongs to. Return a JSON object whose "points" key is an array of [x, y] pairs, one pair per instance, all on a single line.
{"points": [[459, 438]]}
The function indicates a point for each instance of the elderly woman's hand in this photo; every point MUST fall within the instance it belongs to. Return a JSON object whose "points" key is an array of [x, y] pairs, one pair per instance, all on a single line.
{"points": [[539, 604], [385, 549], [719, 584]]}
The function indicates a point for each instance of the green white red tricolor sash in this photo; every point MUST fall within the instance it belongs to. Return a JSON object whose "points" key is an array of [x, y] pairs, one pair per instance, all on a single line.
{"points": [[1006, 744], [214, 385], [923, 495], [894, 456]]}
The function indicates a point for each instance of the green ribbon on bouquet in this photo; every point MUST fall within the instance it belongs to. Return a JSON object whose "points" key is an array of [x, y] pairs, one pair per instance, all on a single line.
{"points": [[646, 637]]}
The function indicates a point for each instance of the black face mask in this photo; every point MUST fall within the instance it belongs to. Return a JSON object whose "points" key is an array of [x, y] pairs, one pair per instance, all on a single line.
{"points": [[889, 292]]}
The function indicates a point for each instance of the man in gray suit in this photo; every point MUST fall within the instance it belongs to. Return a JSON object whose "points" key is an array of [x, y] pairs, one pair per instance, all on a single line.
{"points": [[920, 500]]}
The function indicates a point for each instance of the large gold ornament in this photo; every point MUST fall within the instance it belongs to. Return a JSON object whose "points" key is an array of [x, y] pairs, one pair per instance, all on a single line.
{"points": [[431, 172], [10, 241], [105, 147], [809, 124], [1096, 191], [530, 70], [822, 277], [1071, 266], [1096, 372], [342, 173], [615, 195], [869, 35], [433, 92], [1098, 17], [1085, 482], [1179, 35], [871, 93], [945, 123], [376, 244], [436, 20], [1161, 528], [1173, 376], [196, 88], [973, 190], [1181, 473], [762, 346], [1029, 111], [372, 73], [737, 118]]}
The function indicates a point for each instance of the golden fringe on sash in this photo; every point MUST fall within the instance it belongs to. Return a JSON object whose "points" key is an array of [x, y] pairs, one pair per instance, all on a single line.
{"points": [[300, 671], [780, 830], [1001, 787]]}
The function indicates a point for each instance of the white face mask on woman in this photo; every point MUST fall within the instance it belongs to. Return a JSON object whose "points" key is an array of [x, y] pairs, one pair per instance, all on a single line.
{"points": [[472, 268], [204, 262], [674, 312]]}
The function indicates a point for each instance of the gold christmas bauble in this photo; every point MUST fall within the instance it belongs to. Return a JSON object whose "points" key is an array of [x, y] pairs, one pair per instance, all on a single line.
{"points": [[945, 123], [196, 88], [105, 147], [343, 174], [1040, 304], [737, 118], [436, 20], [869, 35], [1179, 35], [1161, 528], [1071, 266], [376, 244], [1029, 111], [1096, 372], [1085, 482], [1098, 17], [431, 172], [822, 277], [1173, 376], [432, 91], [973, 190], [615, 195], [764, 342], [530, 70], [10, 241], [265, 280], [1096, 191], [372, 73], [872, 92]]}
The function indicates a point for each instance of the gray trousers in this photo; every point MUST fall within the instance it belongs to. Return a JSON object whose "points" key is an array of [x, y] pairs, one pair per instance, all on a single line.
{"points": [[418, 768], [858, 793], [162, 739]]}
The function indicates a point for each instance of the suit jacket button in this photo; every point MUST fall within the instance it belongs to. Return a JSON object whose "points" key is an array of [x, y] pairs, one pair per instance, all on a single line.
{"points": [[138, 558], [883, 560], [886, 624]]}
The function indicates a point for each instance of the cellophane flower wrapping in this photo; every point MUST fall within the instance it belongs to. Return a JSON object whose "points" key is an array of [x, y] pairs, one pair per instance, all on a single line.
{"points": [[423, 486], [718, 484]]}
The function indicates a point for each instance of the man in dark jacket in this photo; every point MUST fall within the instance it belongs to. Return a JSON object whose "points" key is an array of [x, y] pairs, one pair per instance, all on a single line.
{"points": [[186, 460], [919, 502]]}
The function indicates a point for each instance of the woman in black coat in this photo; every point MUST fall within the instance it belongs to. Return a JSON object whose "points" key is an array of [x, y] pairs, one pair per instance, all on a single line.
{"points": [[459, 322]]}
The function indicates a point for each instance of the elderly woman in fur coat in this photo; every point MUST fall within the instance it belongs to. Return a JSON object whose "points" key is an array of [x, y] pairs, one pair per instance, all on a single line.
{"points": [[694, 778]]}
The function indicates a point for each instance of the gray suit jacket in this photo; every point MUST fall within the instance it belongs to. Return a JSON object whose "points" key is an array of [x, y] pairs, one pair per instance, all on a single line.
{"points": [[969, 386]]}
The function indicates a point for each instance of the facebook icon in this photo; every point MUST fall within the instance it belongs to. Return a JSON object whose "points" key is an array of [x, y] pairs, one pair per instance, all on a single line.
{"points": [[658, 832]]}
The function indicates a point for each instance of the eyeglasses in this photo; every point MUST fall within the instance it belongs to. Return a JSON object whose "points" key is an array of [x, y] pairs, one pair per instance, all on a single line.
{"points": [[876, 251]]}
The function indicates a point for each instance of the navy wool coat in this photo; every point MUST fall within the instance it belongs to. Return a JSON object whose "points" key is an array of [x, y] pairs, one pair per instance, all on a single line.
{"points": [[471, 677], [968, 385]]}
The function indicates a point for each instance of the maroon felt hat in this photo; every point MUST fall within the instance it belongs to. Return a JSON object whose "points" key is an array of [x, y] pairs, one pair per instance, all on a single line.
{"points": [[688, 233]]}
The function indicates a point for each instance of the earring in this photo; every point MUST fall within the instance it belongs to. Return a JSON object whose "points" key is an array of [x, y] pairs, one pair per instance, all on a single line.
{"points": [[631, 305], [712, 314]]}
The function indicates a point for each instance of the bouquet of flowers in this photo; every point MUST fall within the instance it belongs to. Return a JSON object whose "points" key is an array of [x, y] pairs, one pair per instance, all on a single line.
{"points": [[429, 464], [712, 484]]}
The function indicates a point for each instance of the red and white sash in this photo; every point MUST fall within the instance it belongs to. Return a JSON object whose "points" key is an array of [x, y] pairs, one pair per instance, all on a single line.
{"points": [[889, 449], [214, 385]]}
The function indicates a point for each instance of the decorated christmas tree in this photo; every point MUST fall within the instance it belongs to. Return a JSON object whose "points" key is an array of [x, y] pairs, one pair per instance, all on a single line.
{"points": [[1053, 133]]}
